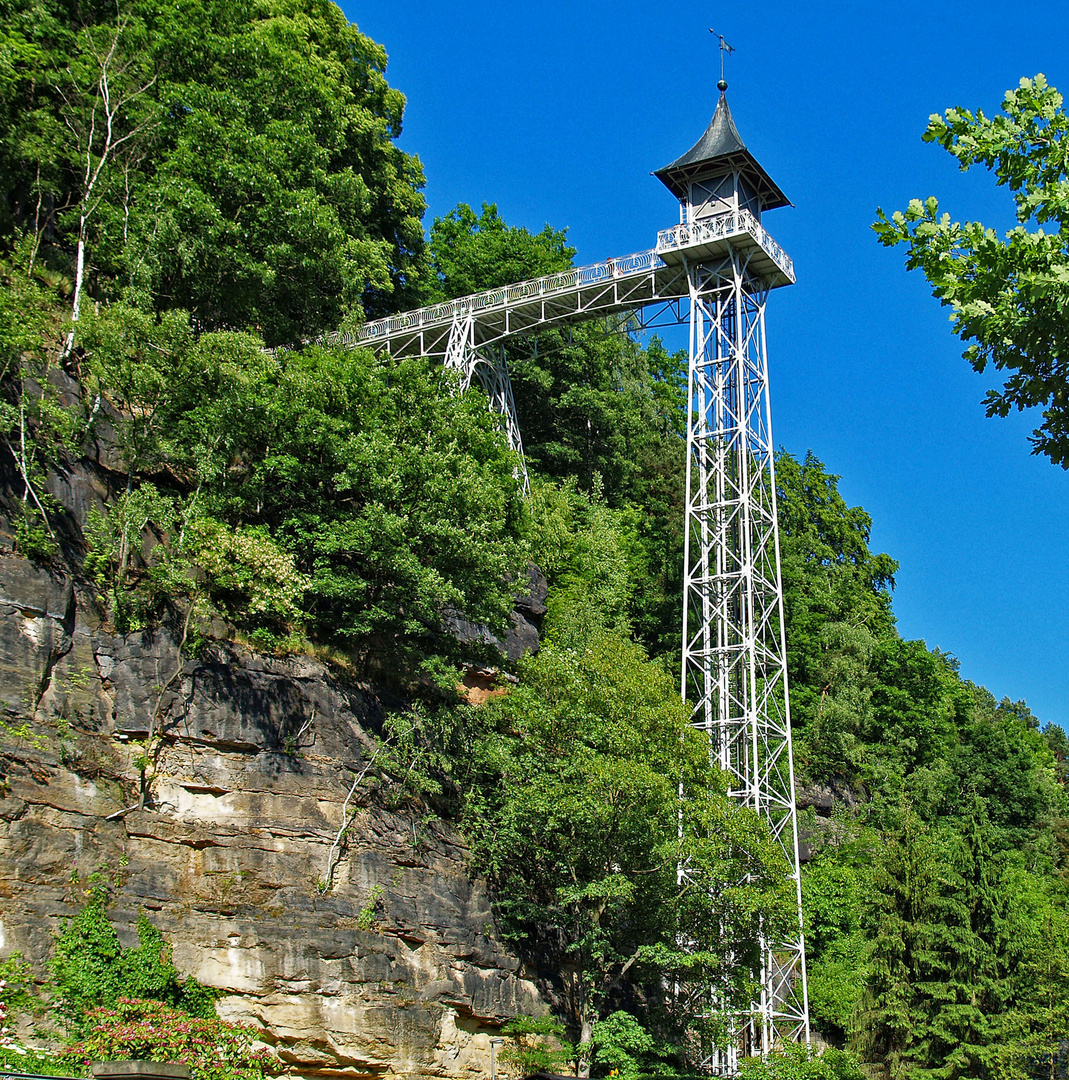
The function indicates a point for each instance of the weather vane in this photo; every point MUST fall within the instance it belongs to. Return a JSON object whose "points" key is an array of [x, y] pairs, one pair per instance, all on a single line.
{"points": [[724, 48]]}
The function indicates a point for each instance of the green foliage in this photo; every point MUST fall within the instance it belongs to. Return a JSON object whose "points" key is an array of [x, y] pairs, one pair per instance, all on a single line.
{"points": [[1004, 761], [588, 552], [592, 402], [316, 488], [17, 995], [85, 963], [90, 968], [1058, 743], [623, 1047], [470, 253], [16, 982], [150, 974], [597, 411], [152, 1031], [426, 742], [574, 813], [398, 497], [365, 920], [34, 540], [126, 558], [185, 399], [38, 1062], [248, 577], [34, 425], [835, 886], [941, 956], [917, 700], [249, 172], [1032, 1035], [798, 1062], [1009, 297], [837, 610], [537, 1044]]}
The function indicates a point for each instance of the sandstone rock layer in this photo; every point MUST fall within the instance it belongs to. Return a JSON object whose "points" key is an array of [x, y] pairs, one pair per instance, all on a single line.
{"points": [[393, 968]]}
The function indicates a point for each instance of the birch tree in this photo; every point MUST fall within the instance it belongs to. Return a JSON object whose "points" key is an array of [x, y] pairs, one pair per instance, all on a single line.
{"points": [[110, 117]]}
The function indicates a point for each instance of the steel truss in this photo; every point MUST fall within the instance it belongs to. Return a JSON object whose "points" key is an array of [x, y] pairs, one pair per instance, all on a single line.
{"points": [[734, 664], [715, 273], [462, 356]]}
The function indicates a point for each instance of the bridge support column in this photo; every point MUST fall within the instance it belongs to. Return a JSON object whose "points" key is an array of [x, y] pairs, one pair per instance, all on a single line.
{"points": [[491, 370]]}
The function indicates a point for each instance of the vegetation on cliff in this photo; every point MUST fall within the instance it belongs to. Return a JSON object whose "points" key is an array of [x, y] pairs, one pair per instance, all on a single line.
{"points": [[118, 1004], [188, 185]]}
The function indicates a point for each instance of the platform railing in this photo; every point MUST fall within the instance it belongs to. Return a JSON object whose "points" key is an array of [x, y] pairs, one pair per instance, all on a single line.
{"points": [[709, 230]]}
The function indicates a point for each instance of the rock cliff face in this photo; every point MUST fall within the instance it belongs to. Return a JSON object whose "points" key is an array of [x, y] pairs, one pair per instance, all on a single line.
{"points": [[393, 969]]}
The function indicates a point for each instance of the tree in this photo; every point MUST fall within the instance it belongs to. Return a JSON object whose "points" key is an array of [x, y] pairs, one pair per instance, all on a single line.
{"points": [[834, 884], [588, 552], [837, 596], [593, 405], [623, 1048], [470, 253], [283, 202], [944, 956], [395, 495], [910, 931], [1005, 761], [34, 425], [1009, 297], [918, 703], [274, 198], [574, 812], [107, 113], [1033, 1036]]}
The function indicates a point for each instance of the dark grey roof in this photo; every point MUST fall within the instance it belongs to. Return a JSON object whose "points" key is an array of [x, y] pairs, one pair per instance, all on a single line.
{"points": [[721, 147]]}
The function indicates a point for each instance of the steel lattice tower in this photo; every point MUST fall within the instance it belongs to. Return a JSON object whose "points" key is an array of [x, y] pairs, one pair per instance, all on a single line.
{"points": [[734, 662]]}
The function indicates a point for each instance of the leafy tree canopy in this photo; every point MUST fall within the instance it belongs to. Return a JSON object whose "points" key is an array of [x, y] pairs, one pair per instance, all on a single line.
{"points": [[393, 496], [837, 607], [469, 253], [574, 812], [251, 175], [1010, 296], [595, 408]]}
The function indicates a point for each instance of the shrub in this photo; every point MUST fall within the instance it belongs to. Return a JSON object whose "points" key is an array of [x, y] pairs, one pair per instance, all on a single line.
{"points": [[151, 1031]]}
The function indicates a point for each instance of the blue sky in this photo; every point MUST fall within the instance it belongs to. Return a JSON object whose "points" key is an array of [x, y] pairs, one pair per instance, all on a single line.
{"points": [[559, 111]]}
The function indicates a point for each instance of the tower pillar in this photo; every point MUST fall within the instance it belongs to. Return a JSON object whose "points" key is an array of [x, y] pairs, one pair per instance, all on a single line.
{"points": [[734, 660]]}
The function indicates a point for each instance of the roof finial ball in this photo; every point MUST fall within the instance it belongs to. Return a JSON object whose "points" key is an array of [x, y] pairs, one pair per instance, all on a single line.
{"points": [[724, 48]]}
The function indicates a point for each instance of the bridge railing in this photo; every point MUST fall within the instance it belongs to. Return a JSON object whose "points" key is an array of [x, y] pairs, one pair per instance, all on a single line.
{"points": [[568, 281], [543, 288]]}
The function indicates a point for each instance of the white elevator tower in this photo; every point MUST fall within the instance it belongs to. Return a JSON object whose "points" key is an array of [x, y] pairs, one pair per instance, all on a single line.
{"points": [[734, 663], [715, 269]]}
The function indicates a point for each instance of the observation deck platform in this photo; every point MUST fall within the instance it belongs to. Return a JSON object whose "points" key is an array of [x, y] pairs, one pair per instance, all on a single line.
{"points": [[658, 276]]}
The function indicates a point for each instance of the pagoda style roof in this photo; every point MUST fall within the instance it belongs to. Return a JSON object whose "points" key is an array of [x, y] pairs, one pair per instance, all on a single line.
{"points": [[721, 149]]}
